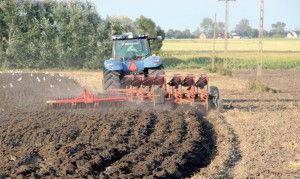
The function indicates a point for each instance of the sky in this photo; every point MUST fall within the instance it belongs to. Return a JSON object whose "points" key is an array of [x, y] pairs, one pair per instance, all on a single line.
{"points": [[187, 14]]}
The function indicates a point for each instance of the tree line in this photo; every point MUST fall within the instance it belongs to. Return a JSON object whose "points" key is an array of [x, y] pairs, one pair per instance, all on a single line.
{"points": [[242, 29], [62, 34]]}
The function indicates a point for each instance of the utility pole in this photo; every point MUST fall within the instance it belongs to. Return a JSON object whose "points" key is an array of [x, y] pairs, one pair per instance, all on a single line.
{"points": [[226, 29], [261, 38], [214, 44]]}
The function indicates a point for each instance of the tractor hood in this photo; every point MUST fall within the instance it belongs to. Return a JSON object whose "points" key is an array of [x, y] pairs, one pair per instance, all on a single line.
{"points": [[123, 65]]}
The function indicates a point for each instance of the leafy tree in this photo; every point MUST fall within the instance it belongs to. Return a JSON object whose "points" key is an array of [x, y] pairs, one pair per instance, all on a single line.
{"points": [[121, 25], [220, 27], [61, 34], [146, 25], [177, 34], [243, 28], [207, 26], [186, 34], [170, 34], [278, 29], [254, 33], [157, 44], [8, 15]]}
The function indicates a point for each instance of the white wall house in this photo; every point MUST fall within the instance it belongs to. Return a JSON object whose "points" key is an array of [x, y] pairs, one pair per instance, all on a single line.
{"points": [[292, 35]]}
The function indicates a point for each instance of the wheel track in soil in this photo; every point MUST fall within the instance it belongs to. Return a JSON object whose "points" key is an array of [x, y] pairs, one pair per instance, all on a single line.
{"points": [[235, 152], [226, 153]]}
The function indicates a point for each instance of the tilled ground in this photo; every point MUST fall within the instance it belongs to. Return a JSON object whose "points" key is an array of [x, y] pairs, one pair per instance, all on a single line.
{"points": [[265, 126], [255, 136], [82, 143], [31, 90], [36, 141]]}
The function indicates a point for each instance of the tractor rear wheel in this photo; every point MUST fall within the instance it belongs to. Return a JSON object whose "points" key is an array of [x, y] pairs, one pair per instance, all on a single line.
{"points": [[111, 80], [156, 71]]}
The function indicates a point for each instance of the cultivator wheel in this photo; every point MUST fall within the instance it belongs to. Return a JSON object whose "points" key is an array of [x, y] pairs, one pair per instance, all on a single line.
{"points": [[213, 101]]}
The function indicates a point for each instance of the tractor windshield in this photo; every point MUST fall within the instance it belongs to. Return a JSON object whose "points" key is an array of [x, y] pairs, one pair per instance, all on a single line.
{"points": [[131, 48]]}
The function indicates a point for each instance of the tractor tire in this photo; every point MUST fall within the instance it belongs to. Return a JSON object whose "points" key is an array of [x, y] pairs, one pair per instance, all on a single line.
{"points": [[111, 80], [213, 100], [156, 71]]}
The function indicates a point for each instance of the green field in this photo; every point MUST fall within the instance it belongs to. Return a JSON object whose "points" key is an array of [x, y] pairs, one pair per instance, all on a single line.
{"points": [[278, 53]]}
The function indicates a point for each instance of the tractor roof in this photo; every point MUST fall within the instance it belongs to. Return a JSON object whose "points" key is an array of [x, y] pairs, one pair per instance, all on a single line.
{"points": [[129, 36]]}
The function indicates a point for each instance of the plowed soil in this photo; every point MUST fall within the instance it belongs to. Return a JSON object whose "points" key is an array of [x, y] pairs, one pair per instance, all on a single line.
{"points": [[256, 135], [37, 141]]}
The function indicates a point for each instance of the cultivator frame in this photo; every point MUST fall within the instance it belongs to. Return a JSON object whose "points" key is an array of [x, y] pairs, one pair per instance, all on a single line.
{"points": [[186, 90], [86, 98], [178, 90]]}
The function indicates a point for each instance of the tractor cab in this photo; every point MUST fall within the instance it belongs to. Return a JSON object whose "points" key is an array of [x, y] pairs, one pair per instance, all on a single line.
{"points": [[127, 47], [131, 55]]}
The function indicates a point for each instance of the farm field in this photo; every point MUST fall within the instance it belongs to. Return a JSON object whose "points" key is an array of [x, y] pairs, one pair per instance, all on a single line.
{"points": [[113, 89], [242, 54], [278, 45], [254, 136]]}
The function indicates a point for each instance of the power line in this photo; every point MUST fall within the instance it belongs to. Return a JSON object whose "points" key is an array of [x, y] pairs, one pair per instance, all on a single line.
{"points": [[261, 38], [226, 28], [214, 44]]}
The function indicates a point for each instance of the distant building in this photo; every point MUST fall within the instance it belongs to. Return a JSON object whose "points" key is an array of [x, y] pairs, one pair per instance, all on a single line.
{"points": [[292, 35], [221, 35], [202, 36], [236, 36]]}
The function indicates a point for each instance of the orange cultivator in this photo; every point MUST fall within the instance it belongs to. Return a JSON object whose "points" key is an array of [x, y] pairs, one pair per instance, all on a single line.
{"points": [[178, 90], [184, 90], [85, 99]]}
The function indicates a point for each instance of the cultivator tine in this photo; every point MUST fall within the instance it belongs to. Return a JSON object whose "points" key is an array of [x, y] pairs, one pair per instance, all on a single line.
{"points": [[188, 81], [85, 100], [175, 81], [154, 80], [127, 80], [149, 81], [159, 80], [79, 105], [137, 80], [187, 90], [202, 82]]}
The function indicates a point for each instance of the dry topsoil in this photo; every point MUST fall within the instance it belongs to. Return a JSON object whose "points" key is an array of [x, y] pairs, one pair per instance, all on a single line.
{"points": [[38, 141]]}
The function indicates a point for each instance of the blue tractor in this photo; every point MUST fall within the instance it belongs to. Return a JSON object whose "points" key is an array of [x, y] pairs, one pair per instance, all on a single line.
{"points": [[130, 55]]}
